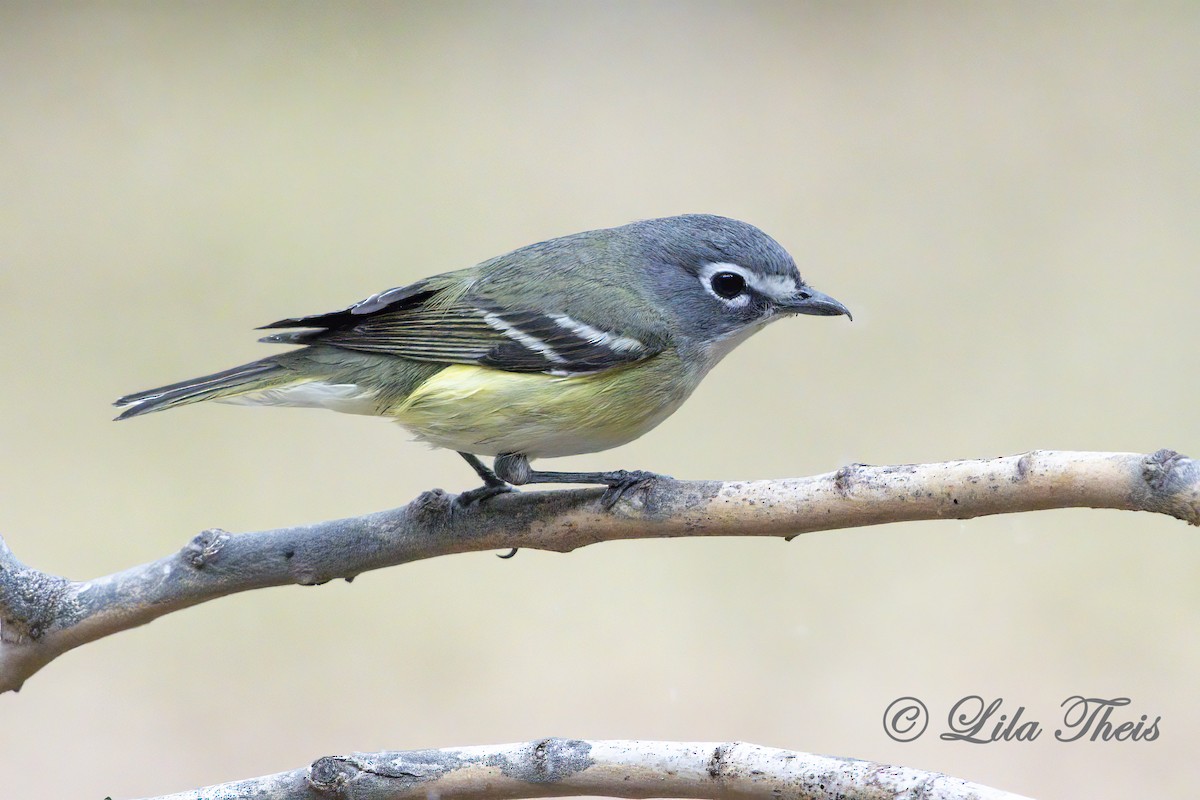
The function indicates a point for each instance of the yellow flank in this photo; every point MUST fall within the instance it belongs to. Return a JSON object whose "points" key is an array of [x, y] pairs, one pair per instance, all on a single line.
{"points": [[488, 411]]}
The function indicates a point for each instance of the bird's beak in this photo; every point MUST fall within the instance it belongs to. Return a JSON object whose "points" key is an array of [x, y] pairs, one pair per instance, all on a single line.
{"points": [[809, 301]]}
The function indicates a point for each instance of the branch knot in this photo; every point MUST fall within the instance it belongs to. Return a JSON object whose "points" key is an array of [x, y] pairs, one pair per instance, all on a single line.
{"points": [[204, 548], [31, 602], [1172, 479], [331, 774]]}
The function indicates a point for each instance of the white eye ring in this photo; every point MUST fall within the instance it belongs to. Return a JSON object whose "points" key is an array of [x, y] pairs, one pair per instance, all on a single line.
{"points": [[710, 271]]}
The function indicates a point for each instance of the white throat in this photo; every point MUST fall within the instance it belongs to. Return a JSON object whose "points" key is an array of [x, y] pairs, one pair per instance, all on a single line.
{"points": [[717, 350]]}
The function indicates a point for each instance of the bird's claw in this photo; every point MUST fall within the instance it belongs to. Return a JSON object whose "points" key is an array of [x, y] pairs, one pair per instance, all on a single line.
{"points": [[620, 482], [482, 494]]}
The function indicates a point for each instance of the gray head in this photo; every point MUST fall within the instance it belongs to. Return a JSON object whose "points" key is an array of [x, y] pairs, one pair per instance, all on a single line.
{"points": [[724, 277]]}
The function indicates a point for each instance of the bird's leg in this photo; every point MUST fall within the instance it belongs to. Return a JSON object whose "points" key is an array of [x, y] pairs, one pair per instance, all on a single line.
{"points": [[514, 468], [492, 485], [489, 478]]}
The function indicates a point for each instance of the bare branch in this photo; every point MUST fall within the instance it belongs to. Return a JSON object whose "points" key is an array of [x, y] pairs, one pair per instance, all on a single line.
{"points": [[43, 616], [570, 767]]}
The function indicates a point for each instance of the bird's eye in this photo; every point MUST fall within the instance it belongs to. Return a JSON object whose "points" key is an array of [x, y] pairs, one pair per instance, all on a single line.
{"points": [[727, 284]]}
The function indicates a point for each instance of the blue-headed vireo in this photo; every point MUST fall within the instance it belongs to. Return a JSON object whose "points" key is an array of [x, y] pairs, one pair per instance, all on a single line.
{"points": [[569, 346]]}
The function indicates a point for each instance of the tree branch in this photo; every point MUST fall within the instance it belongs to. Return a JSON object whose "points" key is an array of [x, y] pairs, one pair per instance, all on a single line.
{"points": [[43, 616], [568, 767]]}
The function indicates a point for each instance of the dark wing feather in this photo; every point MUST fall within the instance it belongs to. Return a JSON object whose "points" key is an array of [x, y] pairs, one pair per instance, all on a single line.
{"points": [[400, 297], [446, 324]]}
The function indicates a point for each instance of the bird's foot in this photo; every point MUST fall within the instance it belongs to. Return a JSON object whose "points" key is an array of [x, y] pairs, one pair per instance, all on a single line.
{"points": [[484, 493], [620, 482]]}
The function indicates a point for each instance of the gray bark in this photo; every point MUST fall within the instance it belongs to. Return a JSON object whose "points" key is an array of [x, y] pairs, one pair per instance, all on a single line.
{"points": [[571, 767], [43, 616]]}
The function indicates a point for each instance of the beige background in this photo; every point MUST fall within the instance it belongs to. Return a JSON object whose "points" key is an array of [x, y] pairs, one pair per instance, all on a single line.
{"points": [[1005, 194]]}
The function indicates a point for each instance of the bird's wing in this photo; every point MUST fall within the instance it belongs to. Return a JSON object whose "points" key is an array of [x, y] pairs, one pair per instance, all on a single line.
{"points": [[443, 320]]}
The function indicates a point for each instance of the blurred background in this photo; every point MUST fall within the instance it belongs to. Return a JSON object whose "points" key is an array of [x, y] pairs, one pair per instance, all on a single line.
{"points": [[1006, 195]]}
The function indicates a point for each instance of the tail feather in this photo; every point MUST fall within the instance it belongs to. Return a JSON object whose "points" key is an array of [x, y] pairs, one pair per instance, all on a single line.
{"points": [[252, 377]]}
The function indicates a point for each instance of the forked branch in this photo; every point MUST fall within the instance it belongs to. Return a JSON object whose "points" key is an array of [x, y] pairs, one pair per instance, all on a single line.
{"points": [[43, 616], [570, 767]]}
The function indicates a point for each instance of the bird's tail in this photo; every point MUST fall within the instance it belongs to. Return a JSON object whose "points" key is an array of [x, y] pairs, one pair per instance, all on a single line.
{"points": [[248, 378]]}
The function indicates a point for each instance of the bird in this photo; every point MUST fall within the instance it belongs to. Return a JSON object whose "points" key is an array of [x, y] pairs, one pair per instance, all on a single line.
{"points": [[568, 346]]}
